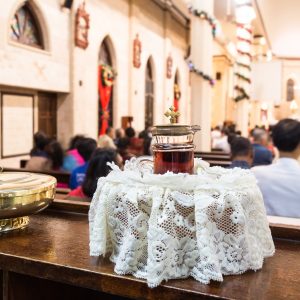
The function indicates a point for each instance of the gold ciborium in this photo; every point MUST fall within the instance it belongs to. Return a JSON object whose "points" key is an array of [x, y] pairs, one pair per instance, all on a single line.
{"points": [[23, 194]]}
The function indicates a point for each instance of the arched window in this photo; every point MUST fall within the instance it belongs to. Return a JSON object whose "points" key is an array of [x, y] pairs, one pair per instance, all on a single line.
{"points": [[290, 94], [24, 28], [149, 95], [105, 112]]}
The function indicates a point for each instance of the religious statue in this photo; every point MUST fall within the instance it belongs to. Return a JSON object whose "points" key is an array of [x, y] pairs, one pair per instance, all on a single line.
{"points": [[169, 66], [137, 50], [82, 25]]}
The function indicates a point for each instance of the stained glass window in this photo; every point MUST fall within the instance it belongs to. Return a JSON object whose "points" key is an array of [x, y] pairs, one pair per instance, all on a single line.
{"points": [[24, 28]]}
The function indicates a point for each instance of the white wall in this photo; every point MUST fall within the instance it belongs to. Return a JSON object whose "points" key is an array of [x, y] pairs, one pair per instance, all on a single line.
{"points": [[159, 35], [23, 66], [61, 66], [266, 80]]}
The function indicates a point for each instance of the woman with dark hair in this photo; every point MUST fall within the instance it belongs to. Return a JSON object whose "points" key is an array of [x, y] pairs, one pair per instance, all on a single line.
{"points": [[97, 168], [52, 159], [40, 142], [55, 153]]}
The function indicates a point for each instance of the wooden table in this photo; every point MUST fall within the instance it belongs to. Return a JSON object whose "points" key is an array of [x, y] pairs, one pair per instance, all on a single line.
{"points": [[50, 260]]}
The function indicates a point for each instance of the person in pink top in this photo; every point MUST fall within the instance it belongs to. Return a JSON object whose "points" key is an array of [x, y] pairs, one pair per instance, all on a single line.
{"points": [[97, 168], [72, 158]]}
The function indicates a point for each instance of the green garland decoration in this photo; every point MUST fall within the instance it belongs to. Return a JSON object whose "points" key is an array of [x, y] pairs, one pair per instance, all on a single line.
{"points": [[243, 95], [204, 15], [244, 66], [241, 76], [206, 77]]}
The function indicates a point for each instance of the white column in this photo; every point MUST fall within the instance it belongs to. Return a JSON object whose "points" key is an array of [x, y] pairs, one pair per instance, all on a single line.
{"points": [[201, 91], [242, 117]]}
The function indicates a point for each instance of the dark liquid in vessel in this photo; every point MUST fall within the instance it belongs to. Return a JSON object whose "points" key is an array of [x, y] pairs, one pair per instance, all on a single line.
{"points": [[173, 161]]}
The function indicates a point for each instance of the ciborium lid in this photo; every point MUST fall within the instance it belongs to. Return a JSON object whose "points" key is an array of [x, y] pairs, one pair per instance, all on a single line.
{"points": [[16, 184], [174, 128]]}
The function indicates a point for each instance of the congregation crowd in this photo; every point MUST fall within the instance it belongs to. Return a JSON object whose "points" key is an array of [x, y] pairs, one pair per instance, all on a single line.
{"points": [[272, 155], [86, 159]]}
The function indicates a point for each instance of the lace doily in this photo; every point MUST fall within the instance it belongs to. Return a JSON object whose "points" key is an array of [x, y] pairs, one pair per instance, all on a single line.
{"points": [[160, 227]]}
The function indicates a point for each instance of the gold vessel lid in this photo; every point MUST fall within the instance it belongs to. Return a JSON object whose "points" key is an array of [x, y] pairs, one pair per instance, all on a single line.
{"points": [[174, 128], [14, 184]]}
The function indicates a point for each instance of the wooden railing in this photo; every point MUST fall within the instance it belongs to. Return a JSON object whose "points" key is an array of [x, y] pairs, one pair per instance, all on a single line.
{"points": [[61, 177]]}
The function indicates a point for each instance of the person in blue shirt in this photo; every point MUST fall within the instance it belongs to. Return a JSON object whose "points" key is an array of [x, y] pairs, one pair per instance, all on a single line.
{"points": [[86, 147], [262, 155], [241, 153]]}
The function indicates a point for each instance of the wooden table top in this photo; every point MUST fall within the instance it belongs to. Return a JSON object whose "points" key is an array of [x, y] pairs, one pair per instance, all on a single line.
{"points": [[55, 246]]}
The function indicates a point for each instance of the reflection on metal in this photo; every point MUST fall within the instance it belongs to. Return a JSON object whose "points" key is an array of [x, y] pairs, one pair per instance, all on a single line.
{"points": [[23, 194]]}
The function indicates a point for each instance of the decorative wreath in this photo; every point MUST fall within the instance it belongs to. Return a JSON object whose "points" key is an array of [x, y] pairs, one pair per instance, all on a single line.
{"points": [[108, 75]]}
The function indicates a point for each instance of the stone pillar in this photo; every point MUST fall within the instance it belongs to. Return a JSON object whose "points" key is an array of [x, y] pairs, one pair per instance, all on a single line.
{"points": [[243, 65], [242, 117], [201, 91], [221, 65]]}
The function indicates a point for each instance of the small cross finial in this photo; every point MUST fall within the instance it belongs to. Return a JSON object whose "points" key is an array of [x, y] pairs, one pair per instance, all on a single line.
{"points": [[172, 115]]}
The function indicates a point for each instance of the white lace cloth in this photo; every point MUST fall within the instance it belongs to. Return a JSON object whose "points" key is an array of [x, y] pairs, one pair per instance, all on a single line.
{"points": [[160, 227]]}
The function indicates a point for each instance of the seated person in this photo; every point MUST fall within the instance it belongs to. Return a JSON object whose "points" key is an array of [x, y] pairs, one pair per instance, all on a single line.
{"points": [[135, 145], [222, 142], [55, 153], [107, 140], [97, 168], [280, 182], [51, 160], [146, 135], [241, 153], [40, 140], [39, 159], [262, 155], [85, 148], [119, 134], [72, 158]]}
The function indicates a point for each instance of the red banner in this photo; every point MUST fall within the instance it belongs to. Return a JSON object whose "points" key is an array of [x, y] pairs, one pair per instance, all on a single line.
{"points": [[104, 94], [176, 104]]}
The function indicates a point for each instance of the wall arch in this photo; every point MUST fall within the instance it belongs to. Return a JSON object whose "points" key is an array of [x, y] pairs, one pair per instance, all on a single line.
{"points": [[106, 56], [149, 92]]}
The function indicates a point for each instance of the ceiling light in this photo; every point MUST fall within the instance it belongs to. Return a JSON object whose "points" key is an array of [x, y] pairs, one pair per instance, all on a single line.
{"points": [[262, 41], [264, 106], [242, 2], [269, 55], [231, 48], [245, 14]]}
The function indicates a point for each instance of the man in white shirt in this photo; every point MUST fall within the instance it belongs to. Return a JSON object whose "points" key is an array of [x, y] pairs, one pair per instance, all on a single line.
{"points": [[280, 182], [107, 140]]}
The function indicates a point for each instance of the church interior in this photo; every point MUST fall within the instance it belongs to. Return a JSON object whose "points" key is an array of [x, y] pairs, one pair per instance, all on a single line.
{"points": [[149, 149]]}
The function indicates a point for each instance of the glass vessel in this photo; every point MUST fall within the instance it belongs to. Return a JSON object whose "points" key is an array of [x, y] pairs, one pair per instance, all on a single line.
{"points": [[174, 149]]}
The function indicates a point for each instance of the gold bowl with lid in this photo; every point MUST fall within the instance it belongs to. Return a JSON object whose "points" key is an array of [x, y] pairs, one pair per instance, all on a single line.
{"points": [[23, 194]]}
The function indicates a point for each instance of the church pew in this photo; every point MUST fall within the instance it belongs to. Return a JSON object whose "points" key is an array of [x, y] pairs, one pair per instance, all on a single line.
{"points": [[219, 153], [214, 157], [61, 177], [218, 163], [57, 265]]}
